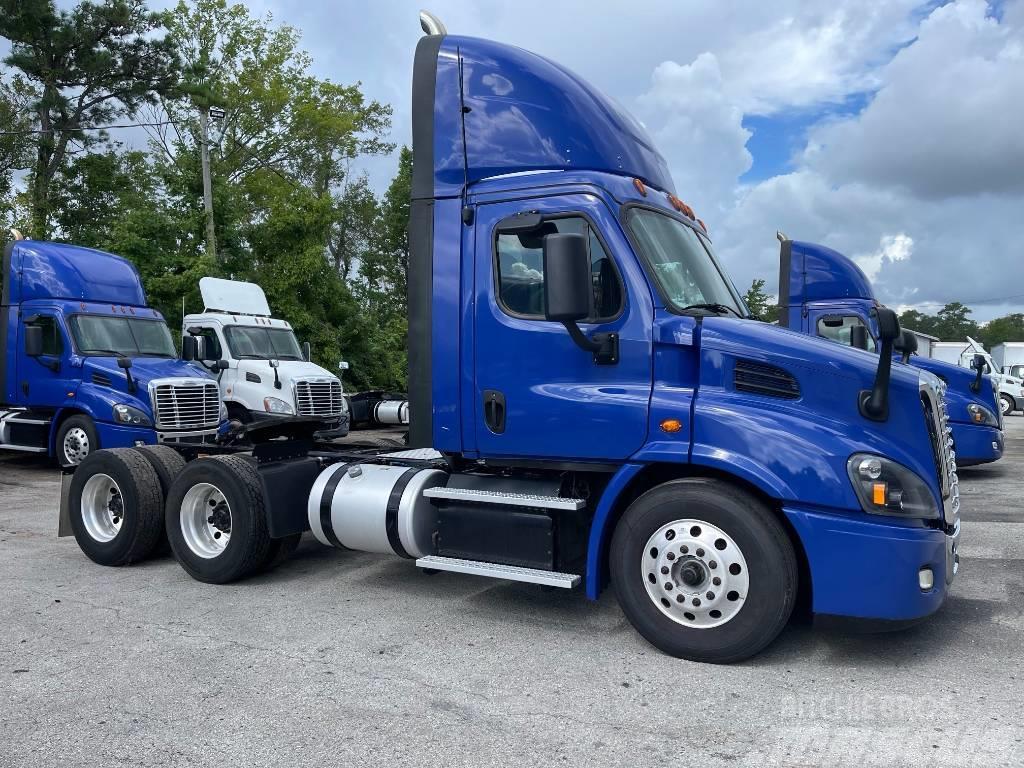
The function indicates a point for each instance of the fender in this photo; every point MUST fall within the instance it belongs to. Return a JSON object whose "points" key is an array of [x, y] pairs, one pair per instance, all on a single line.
{"points": [[97, 403], [600, 527]]}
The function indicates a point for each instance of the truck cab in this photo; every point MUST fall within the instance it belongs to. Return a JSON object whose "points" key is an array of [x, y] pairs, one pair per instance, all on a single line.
{"points": [[1008, 380], [825, 294], [86, 363], [262, 370], [591, 407]]}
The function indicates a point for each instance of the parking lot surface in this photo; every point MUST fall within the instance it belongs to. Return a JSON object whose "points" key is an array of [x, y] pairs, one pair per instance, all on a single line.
{"points": [[344, 658]]}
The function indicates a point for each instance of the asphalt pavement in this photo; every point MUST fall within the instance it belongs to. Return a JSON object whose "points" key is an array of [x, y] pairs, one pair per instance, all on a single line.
{"points": [[341, 658]]}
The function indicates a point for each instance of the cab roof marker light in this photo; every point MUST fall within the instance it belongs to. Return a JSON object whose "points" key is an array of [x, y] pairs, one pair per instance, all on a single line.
{"points": [[640, 187]]}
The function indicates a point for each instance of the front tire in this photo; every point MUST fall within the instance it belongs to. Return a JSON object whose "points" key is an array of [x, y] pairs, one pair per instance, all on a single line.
{"points": [[116, 507], [76, 439], [216, 521], [1006, 404], [703, 570]]}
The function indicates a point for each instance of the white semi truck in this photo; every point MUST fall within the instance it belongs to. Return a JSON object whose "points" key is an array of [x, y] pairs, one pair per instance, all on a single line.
{"points": [[1011, 387], [262, 369], [1009, 356]]}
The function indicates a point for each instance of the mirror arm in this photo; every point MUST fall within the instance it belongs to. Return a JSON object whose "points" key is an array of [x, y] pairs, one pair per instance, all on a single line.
{"points": [[604, 346], [976, 384], [874, 403]]}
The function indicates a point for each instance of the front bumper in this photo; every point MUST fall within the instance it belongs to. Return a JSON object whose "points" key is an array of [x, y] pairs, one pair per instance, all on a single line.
{"points": [[866, 569], [192, 437], [976, 443], [122, 436]]}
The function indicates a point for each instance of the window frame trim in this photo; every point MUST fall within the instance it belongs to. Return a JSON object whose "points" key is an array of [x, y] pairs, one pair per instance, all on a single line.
{"points": [[569, 214]]}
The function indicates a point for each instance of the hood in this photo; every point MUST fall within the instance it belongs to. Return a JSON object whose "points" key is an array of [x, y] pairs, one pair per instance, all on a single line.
{"points": [[483, 109], [288, 370], [144, 370], [958, 386], [811, 272]]}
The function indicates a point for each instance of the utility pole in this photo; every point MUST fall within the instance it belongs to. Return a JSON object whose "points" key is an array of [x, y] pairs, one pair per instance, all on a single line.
{"points": [[204, 129]]}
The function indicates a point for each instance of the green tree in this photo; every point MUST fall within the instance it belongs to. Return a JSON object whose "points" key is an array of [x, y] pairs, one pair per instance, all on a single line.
{"points": [[1008, 328], [953, 323], [761, 305], [86, 68]]}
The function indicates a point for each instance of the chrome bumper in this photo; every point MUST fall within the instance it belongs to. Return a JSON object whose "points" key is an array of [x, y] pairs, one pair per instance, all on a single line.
{"points": [[195, 436], [953, 552]]}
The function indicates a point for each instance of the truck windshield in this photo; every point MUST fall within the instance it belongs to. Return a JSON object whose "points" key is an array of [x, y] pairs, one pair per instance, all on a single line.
{"points": [[248, 343], [128, 336], [682, 263]]}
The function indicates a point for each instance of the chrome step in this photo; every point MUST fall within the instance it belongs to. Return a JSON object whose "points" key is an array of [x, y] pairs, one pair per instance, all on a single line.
{"points": [[20, 420], [503, 499], [24, 448], [499, 571]]}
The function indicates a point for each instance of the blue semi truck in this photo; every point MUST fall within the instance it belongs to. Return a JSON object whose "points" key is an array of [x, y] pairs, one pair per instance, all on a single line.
{"points": [[589, 405], [823, 293], [86, 364]]}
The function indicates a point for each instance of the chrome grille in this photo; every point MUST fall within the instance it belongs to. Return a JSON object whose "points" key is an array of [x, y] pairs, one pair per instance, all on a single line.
{"points": [[933, 401], [185, 403], [318, 397]]}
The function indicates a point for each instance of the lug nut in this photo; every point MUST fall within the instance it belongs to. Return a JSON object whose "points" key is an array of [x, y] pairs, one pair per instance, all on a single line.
{"points": [[671, 556], [668, 586], [716, 581], [696, 602], [700, 553], [664, 569], [710, 595], [685, 549], [210, 519], [712, 565]]}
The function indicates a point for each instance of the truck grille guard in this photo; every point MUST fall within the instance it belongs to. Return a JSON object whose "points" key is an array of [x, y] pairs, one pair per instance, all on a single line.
{"points": [[183, 403], [933, 402]]}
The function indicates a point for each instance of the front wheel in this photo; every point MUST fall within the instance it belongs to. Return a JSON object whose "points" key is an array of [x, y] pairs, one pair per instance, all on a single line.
{"points": [[76, 439], [704, 570], [1006, 404]]}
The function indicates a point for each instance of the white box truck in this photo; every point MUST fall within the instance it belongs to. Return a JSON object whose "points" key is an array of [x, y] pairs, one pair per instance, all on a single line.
{"points": [[262, 369], [1009, 356]]}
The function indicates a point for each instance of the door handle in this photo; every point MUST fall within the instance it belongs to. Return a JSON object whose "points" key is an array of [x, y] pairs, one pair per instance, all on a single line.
{"points": [[494, 411]]}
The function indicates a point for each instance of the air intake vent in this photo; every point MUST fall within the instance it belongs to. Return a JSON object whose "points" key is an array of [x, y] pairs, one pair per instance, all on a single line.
{"points": [[102, 379], [767, 380]]}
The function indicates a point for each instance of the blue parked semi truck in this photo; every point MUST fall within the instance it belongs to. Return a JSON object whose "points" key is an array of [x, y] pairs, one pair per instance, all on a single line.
{"points": [[86, 364], [589, 404], [823, 293]]}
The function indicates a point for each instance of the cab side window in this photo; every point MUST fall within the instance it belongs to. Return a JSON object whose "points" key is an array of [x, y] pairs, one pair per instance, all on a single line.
{"points": [[211, 344], [520, 268], [840, 328], [53, 344]]}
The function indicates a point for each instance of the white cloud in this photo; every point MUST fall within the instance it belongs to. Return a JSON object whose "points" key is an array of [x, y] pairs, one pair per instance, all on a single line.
{"points": [[891, 248]]}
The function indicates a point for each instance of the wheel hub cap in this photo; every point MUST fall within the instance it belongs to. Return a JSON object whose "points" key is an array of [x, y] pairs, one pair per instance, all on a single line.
{"points": [[695, 573], [205, 520], [102, 508]]}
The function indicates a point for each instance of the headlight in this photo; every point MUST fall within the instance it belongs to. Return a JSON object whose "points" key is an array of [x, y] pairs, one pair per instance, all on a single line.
{"points": [[981, 415], [126, 414], [884, 487], [223, 413], [277, 405]]}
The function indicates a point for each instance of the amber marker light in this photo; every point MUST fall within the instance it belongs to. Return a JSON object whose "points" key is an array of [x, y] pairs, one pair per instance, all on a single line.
{"points": [[640, 187], [671, 425], [878, 494]]}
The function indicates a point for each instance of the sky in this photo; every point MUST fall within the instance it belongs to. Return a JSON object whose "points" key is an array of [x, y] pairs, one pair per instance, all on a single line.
{"points": [[892, 131]]}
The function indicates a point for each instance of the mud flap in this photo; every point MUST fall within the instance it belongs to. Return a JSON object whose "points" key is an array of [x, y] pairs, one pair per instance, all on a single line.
{"points": [[64, 521]]}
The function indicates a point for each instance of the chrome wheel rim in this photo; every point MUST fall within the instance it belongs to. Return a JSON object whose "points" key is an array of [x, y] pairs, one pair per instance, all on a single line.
{"points": [[76, 446], [1005, 405], [205, 520], [695, 573], [102, 508]]}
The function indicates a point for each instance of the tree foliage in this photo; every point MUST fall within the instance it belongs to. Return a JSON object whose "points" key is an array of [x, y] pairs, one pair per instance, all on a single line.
{"points": [[84, 68], [761, 305]]}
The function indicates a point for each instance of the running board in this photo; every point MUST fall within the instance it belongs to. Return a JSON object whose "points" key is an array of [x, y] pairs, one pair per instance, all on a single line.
{"points": [[473, 495], [23, 448], [499, 571]]}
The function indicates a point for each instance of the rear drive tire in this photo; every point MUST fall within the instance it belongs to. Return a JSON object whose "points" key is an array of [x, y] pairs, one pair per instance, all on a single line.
{"points": [[76, 439], [703, 570], [215, 520], [116, 507], [1006, 403], [167, 463]]}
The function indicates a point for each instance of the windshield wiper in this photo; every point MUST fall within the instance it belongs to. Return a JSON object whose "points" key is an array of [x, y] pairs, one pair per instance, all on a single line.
{"points": [[104, 351], [719, 309]]}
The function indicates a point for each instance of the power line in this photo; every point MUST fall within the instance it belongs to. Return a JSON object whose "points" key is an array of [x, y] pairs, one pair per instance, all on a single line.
{"points": [[27, 131]]}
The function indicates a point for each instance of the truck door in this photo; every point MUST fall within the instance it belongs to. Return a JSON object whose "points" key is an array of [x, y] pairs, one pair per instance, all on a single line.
{"points": [[45, 380], [537, 394]]}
